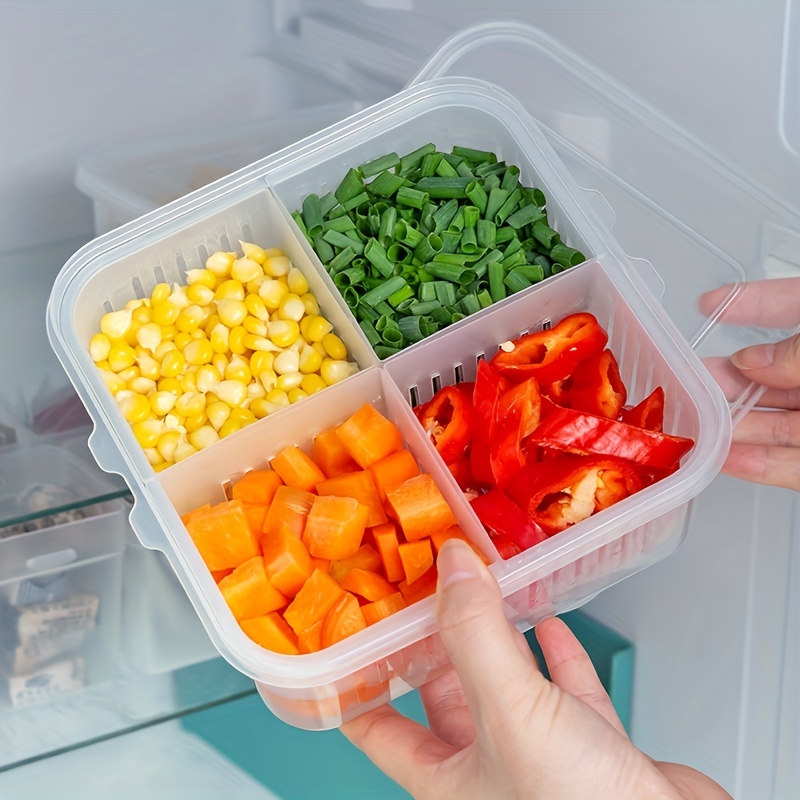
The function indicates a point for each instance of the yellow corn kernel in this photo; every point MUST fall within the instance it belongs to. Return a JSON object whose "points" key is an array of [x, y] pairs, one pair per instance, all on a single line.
{"points": [[190, 404], [103, 365], [154, 457], [198, 334], [333, 370], [168, 333], [141, 385], [232, 312], [261, 407], [245, 269], [310, 304], [182, 339], [260, 344], [320, 348], [208, 376], [283, 332], [259, 361], [256, 307], [334, 346], [172, 364], [220, 263], [133, 304], [198, 352], [200, 294], [189, 318], [296, 281], [220, 338], [171, 385], [217, 413], [309, 360], [234, 393], [317, 328], [273, 292], [201, 277], [278, 397], [160, 293], [238, 370], [167, 443], [255, 326], [113, 381], [253, 287], [211, 322], [134, 407], [163, 349], [129, 373], [149, 367], [194, 422], [296, 394], [230, 426], [286, 361], [148, 432], [277, 265], [220, 362], [292, 308], [203, 437], [162, 466], [162, 402], [188, 380], [183, 451], [121, 356], [115, 324], [229, 290], [165, 312], [255, 389], [268, 378], [311, 384], [236, 340], [243, 415], [289, 381], [99, 347], [149, 335], [253, 251], [142, 315], [178, 297]]}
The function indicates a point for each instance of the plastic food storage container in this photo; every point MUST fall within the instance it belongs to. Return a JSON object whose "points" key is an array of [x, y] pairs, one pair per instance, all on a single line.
{"points": [[323, 689], [60, 577]]}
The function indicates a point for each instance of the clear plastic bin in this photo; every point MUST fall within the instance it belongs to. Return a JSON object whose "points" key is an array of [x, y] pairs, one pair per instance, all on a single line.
{"points": [[321, 690]]}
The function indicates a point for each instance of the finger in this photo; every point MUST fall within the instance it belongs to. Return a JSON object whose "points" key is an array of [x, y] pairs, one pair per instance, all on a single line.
{"points": [[447, 711], [734, 383], [405, 750], [759, 463], [480, 641], [780, 428], [571, 669], [776, 365], [771, 303]]}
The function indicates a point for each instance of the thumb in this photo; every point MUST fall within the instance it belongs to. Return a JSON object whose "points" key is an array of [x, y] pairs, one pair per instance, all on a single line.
{"points": [[776, 365], [482, 644]]}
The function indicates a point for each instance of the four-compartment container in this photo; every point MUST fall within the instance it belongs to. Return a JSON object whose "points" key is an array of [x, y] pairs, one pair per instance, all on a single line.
{"points": [[321, 690]]}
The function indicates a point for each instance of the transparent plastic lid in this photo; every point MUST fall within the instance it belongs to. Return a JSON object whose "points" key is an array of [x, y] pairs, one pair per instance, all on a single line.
{"points": [[675, 204]]}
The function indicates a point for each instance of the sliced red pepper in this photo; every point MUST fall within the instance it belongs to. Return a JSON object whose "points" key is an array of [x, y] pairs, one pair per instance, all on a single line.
{"points": [[649, 414], [447, 419], [560, 492], [596, 386], [579, 432], [461, 470], [517, 414], [489, 385], [553, 354], [506, 521]]}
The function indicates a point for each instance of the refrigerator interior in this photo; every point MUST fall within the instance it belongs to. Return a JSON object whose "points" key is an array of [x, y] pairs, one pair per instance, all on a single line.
{"points": [[715, 626]]}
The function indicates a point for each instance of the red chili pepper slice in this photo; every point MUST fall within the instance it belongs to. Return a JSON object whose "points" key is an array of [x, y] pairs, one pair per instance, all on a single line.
{"points": [[517, 414], [596, 386], [506, 521], [649, 414], [461, 470], [552, 355], [489, 385], [579, 432], [447, 418], [560, 492]]}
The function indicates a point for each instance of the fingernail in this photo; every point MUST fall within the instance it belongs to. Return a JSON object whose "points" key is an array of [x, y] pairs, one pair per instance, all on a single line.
{"points": [[755, 357], [457, 563]]}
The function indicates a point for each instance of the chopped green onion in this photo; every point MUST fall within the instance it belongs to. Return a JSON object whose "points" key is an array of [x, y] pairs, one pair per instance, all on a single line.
{"points": [[566, 256], [386, 184], [376, 255], [355, 202], [403, 293], [525, 215], [444, 188], [348, 277], [451, 272], [421, 308], [411, 328], [478, 156], [470, 304], [373, 337], [428, 247], [445, 169], [477, 195], [415, 198], [352, 185], [445, 292], [411, 160], [384, 351], [382, 292], [340, 260], [546, 235], [516, 281], [298, 218], [342, 240], [389, 161], [497, 288], [325, 252], [484, 298], [509, 204]]}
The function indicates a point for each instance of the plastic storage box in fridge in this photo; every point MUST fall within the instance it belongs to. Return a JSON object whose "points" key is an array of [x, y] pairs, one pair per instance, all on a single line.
{"points": [[322, 689], [60, 577]]}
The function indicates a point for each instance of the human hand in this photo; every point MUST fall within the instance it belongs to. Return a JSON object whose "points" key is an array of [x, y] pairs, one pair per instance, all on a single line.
{"points": [[498, 728], [766, 444]]}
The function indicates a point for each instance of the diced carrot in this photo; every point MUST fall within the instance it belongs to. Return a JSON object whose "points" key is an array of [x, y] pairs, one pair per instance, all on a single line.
{"points": [[330, 455], [366, 557], [365, 694], [256, 486], [335, 527], [417, 558], [367, 584], [310, 641], [359, 485], [286, 560], [420, 507], [223, 536], [438, 538], [256, 514], [271, 632], [420, 588], [368, 436], [343, 620], [248, 592], [219, 574], [318, 595], [289, 509], [297, 469], [386, 541], [383, 608], [321, 563], [195, 513], [390, 472]]}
